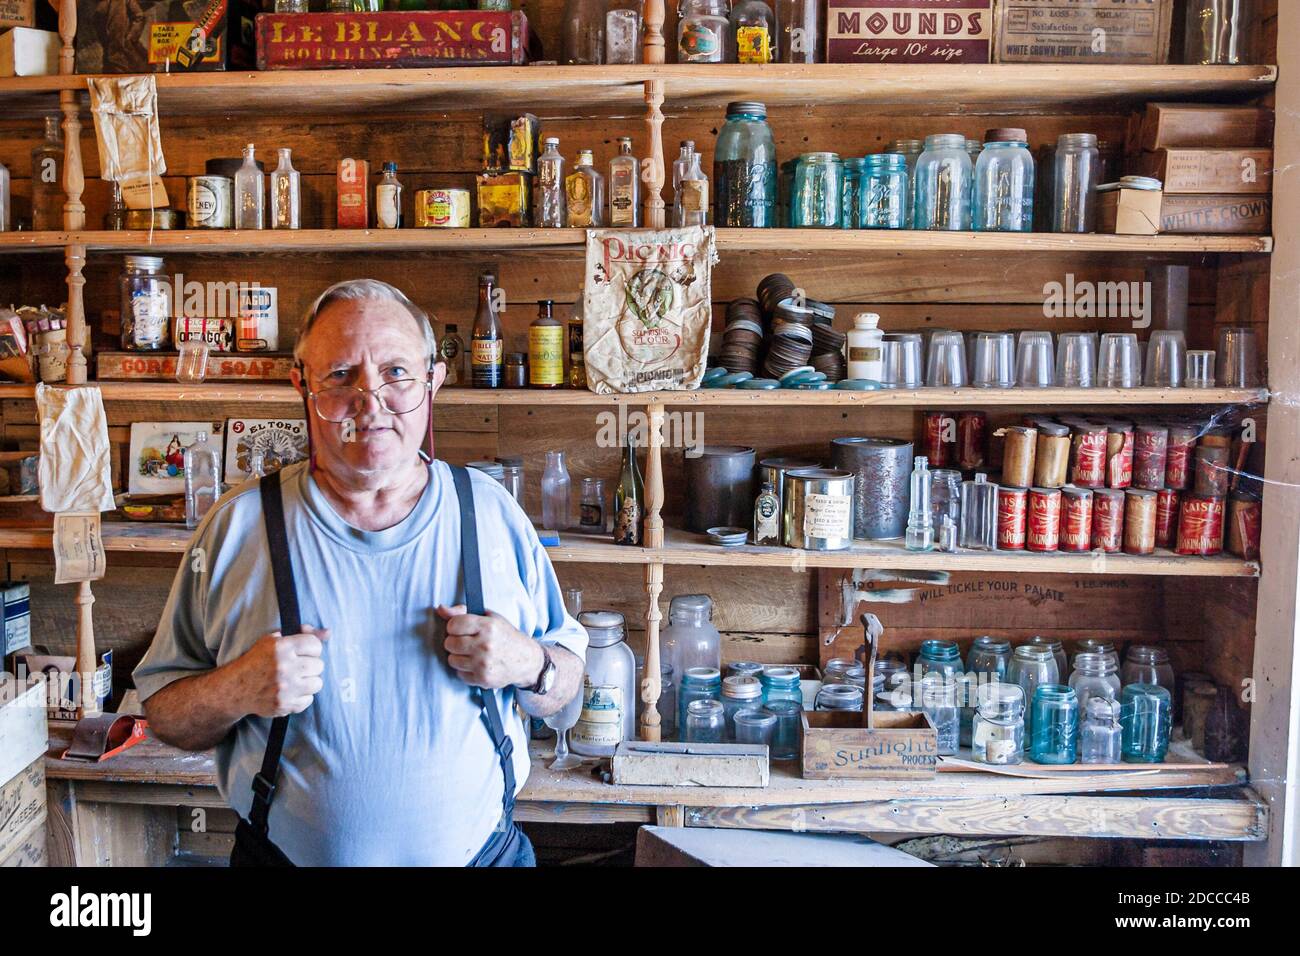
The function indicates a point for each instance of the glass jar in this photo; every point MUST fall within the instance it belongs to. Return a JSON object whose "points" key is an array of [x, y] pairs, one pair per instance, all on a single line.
{"points": [[515, 373], [1074, 189], [666, 705], [591, 506], [1220, 32], [608, 714], [1144, 664], [703, 31], [754, 726], [705, 723], [512, 476], [835, 670], [986, 663], [838, 697], [942, 657], [884, 198], [998, 734], [939, 702], [1094, 676], [752, 32], [698, 683], [690, 639], [1145, 717], [1031, 666], [850, 191], [945, 495], [798, 31], [910, 150], [744, 169], [1100, 735], [780, 683], [941, 193], [1090, 645], [146, 305], [1053, 725], [744, 669], [1004, 185], [739, 693], [856, 675], [789, 729], [1058, 652], [583, 32]]}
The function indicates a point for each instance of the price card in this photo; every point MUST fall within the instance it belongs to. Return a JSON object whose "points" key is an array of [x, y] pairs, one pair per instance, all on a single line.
{"points": [[78, 548]]}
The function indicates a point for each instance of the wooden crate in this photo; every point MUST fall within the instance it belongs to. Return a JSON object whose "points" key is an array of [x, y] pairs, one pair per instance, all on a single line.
{"points": [[22, 726], [839, 745], [22, 817]]}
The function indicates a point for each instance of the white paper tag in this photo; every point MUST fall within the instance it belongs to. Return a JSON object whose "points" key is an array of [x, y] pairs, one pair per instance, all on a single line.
{"points": [[78, 548], [827, 516]]}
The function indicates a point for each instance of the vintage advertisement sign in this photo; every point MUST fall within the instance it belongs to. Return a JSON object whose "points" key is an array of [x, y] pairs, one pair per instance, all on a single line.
{"points": [[909, 31]]}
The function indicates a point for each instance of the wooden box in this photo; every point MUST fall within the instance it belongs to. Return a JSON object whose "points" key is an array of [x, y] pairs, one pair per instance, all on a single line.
{"points": [[25, 52], [17, 13], [1201, 125], [1097, 31], [902, 745], [1210, 170], [1208, 215], [22, 816], [909, 31], [416, 38], [23, 734], [1129, 212], [161, 367]]}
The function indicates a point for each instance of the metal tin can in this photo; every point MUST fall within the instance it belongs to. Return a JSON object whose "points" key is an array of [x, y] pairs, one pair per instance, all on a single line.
{"points": [[774, 469], [1212, 471], [442, 208], [972, 440], [1178, 462], [1052, 457], [818, 512], [1150, 446], [142, 219], [1200, 526], [1089, 453], [1044, 522], [1119, 454], [1076, 519], [940, 439], [1020, 443], [1244, 517], [882, 469], [1013, 504], [719, 487], [209, 202], [1167, 518], [1107, 520], [1139, 521]]}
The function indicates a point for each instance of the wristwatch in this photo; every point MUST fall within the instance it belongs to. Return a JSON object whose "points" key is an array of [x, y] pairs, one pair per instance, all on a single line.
{"points": [[546, 679]]}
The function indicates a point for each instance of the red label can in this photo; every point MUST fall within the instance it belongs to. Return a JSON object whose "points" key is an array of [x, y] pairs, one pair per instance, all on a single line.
{"points": [[1076, 519], [1107, 520], [1178, 462], [1012, 520], [1044, 525], [1166, 518], [1200, 526], [940, 439], [1119, 456], [1150, 449], [1089, 458], [1244, 517], [972, 440]]}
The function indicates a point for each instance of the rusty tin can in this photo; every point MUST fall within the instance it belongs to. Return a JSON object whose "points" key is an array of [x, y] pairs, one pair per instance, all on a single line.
{"points": [[1178, 463], [1212, 471], [1244, 517], [1150, 448], [1119, 454], [1167, 518], [1139, 521], [1089, 454]]}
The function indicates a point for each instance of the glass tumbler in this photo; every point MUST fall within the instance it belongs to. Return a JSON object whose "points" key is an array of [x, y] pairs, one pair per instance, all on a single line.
{"points": [[994, 362], [1145, 718], [901, 360], [789, 728], [1166, 359], [1200, 369], [1035, 367], [1076, 360], [192, 363], [1238, 358], [1118, 363], [946, 364], [755, 727]]}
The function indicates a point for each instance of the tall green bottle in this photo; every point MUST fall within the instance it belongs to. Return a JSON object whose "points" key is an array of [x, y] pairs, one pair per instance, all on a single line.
{"points": [[629, 500]]}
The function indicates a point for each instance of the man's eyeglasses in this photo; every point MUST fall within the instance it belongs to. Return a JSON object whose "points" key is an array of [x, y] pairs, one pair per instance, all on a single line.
{"points": [[342, 403]]}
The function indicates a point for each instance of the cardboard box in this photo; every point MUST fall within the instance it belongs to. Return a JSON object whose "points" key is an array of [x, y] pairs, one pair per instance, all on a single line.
{"points": [[909, 31], [1129, 212], [1208, 215], [837, 744], [1210, 170], [1203, 125], [25, 52], [23, 733], [17, 13], [416, 38], [353, 191], [16, 615], [165, 36], [1095, 31]]}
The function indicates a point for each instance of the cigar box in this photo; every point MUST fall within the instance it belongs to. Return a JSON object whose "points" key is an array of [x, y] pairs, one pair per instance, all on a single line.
{"points": [[1201, 125], [905, 31], [1096, 31], [1210, 170], [353, 194], [165, 36], [1198, 214]]}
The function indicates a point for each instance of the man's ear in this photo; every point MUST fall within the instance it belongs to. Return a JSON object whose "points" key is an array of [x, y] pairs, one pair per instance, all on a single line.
{"points": [[298, 379]]}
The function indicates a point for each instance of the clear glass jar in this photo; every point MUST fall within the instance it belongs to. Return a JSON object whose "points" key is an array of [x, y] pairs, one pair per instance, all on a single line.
{"points": [[909, 149], [583, 32], [739, 692], [623, 31], [703, 32], [1094, 676], [1144, 664], [690, 639], [755, 726], [744, 169], [815, 199], [986, 663], [835, 670], [856, 675], [789, 729], [512, 476], [608, 687], [753, 32], [1030, 667], [838, 697], [941, 194], [998, 734], [1058, 652], [1220, 32], [780, 683], [945, 495], [1146, 718], [697, 683], [1074, 189], [1100, 735], [939, 702], [1090, 645], [1004, 187], [1053, 724], [744, 669], [851, 191], [592, 506], [798, 31], [884, 198], [705, 723], [146, 305]]}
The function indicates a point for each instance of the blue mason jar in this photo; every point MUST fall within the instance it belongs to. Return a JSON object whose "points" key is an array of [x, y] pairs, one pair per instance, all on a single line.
{"points": [[1145, 719], [849, 192], [698, 683], [941, 656], [883, 193], [941, 195], [780, 683], [1004, 184], [744, 169], [1055, 724], [815, 197]]}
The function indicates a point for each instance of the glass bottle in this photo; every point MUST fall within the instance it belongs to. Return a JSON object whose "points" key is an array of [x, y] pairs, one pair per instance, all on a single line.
{"points": [[629, 499], [47, 178], [388, 199], [486, 344], [291, 6], [1074, 189], [739, 692], [702, 32], [6, 199], [608, 687], [286, 194], [1100, 736], [555, 493], [145, 305], [1004, 184], [250, 193], [884, 198], [256, 465], [941, 193], [998, 731], [698, 683], [202, 479], [452, 352], [690, 639], [583, 32], [545, 349], [815, 198], [1145, 718], [780, 683], [864, 347], [115, 218], [920, 530], [577, 357], [798, 36], [623, 31], [1144, 664], [979, 514], [1058, 654], [744, 169], [705, 723], [1053, 726], [1220, 32], [767, 517], [550, 186], [1031, 666], [584, 191], [1094, 676], [690, 190], [624, 186], [939, 702], [752, 28]]}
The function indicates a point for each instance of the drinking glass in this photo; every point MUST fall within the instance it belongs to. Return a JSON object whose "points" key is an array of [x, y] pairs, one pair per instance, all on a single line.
{"points": [[1034, 364], [1238, 358], [755, 727], [1076, 360], [573, 601], [561, 722], [947, 360], [1166, 359], [994, 362], [901, 360], [1200, 369], [1118, 364], [192, 363]]}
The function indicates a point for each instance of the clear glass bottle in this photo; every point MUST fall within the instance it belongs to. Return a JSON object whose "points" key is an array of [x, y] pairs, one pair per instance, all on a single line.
{"points": [[286, 194], [697, 683], [608, 687], [6, 199], [145, 305], [584, 192], [979, 514], [1004, 184], [202, 465], [256, 465], [1145, 718], [250, 193], [705, 723], [798, 31], [1074, 189], [115, 218], [625, 187], [939, 702], [1032, 665], [556, 492], [452, 352], [550, 186], [623, 31], [388, 199], [1094, 676], [767, 517], [487, 342], [920, 529], [690, 639], [1054, 725], [884, 199], [690, 189], [739, 692], [47, 178], [583, 32], [941, 193], [744, 169], [752, 28], [1100, 735], [780, 683], [998, 731], [1220, 32], [703, 32]]}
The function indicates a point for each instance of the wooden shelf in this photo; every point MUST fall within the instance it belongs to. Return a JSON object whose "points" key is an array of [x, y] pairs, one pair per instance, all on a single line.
{"points": [[595, 90], [783, 242]]}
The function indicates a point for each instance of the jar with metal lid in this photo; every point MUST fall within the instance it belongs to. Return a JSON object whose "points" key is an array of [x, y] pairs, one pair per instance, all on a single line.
{"points": [[1058, 653], [910, 150], [838, 697], [998, 734], [884, 194], [815, 199], [1148, 665], [1074, 197], [1004, 184], [941, 193], [516, 370], [744, 169], [146, 305], [1100, 734], [739, 693], [1054, 725], [1094, 675], [608, 687], [697, 683], [835, 670], [512, 468], [704, 723], [986, 663], [939, 702], [1146, 719], [856, 675], [850, 190], [1031, 666], [780, 683]]}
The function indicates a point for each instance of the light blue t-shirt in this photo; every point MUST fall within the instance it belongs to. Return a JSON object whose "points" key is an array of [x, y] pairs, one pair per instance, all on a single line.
{"points": [[392, 763]]}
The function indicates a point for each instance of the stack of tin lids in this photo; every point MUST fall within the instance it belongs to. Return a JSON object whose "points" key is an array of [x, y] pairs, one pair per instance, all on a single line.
{"points": [[828, 351], [742, 339]]}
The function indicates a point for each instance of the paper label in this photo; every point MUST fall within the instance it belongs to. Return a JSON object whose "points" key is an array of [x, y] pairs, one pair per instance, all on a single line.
{"points": [[827, 516], [601, 721], [78, 549], [695, 195], [753, 45]]}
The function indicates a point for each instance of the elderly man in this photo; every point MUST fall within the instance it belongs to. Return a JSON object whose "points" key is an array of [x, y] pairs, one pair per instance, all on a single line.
{"points": [[406, 748]]}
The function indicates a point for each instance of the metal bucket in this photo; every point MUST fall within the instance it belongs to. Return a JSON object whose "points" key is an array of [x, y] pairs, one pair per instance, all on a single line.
{"points": [[881, 468], [818, 511], [719, 487], [774, 469]]}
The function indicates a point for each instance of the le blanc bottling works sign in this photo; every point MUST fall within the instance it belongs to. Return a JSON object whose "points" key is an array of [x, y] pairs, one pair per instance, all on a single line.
{"points": [[909, 31]]}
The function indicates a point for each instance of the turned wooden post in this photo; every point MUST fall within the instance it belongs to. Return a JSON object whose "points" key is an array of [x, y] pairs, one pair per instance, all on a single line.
{"points": [[653, 533], [653, 54], [87, 660], [74, 183]]}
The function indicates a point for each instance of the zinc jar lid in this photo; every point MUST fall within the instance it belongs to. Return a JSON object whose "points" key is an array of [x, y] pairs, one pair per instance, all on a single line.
{"points": [[746, 106]]}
